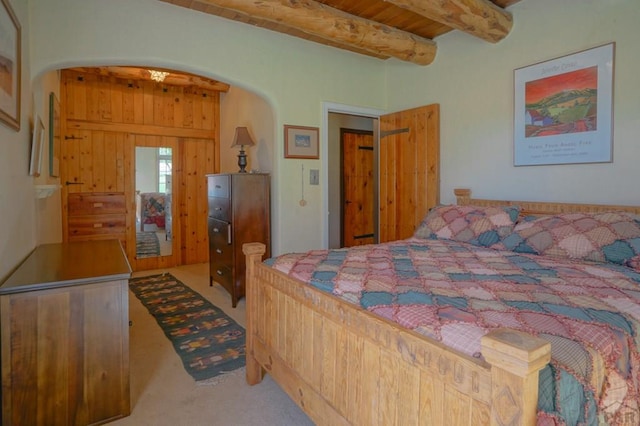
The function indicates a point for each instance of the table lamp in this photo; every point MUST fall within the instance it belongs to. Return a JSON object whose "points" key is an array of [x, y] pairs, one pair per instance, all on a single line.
{"points": [[242, 138]]}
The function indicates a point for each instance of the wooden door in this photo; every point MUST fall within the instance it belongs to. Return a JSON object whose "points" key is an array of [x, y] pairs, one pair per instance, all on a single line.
{"points": [[409, 169], [93, 185], [358, 189]]}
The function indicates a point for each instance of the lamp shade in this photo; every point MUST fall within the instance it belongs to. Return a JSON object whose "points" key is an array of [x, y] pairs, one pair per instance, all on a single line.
{"points": [[242, 138]]}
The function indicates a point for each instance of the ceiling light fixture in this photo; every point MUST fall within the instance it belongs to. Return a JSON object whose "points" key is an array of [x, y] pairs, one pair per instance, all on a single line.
{"points": [[158, 76]]}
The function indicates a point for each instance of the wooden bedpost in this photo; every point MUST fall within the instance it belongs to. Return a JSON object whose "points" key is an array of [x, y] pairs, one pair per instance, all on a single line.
{"points": [[462, 196], [254, 253], [516, 359]]}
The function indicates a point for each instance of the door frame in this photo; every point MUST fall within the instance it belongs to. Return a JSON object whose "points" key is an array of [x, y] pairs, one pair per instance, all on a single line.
{"points": [[331, 107]]}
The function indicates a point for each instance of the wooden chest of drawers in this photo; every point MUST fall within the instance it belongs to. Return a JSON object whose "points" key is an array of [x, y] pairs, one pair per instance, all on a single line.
{"points": [[64, 327], [239, 212], [96, 216]]}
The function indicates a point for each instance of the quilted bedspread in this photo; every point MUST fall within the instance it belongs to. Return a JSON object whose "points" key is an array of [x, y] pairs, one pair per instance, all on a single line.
{"points": [[456, 292]]}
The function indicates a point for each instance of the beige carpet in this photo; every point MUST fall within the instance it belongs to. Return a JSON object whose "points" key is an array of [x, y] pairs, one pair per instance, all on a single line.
{"points": [[163, 393]]}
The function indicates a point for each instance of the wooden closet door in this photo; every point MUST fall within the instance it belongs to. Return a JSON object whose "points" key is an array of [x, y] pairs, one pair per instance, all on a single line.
{"points": [[409, 169], [103, 117], [358, 197], [93, 185]]}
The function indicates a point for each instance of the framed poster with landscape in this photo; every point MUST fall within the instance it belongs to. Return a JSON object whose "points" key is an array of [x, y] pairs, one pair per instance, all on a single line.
{"points": [[9, 66], [563, 109], [301, 142]]}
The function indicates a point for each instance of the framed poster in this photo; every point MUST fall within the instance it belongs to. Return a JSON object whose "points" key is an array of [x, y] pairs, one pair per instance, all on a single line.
{"points": [[9, 66], [563, 109], [301, 142]]}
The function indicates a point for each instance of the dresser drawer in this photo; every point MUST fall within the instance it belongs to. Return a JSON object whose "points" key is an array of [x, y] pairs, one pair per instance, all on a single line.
{"points": [[218, 186], [220, 249], [98, 203], [219, 208], [88, 225], [221, 274]]}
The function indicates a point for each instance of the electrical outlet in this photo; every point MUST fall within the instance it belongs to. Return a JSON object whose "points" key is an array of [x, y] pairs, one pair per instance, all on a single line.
{"points": [[314, 177]]}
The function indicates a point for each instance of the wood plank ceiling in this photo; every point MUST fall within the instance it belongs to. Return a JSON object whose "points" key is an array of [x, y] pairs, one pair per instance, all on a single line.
{"points": [[169, 77], [402, 29]]}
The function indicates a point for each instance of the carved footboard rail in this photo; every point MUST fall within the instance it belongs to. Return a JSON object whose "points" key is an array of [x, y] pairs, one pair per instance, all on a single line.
{"points": [[343, 365]]}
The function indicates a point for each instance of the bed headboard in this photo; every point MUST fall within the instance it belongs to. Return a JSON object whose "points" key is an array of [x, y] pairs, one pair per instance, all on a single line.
{"points": [[463, 197]]}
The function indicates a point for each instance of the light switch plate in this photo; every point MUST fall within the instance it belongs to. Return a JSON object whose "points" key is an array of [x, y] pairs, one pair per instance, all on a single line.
{"points": [[314, 177]]}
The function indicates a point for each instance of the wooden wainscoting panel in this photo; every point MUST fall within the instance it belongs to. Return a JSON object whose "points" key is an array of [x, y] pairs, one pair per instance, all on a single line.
{"points": [[198, 158], [104, 117]]}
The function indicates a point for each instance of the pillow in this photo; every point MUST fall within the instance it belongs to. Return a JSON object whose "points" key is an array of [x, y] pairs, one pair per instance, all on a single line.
{"points": [[482, 226], [611, 237]]}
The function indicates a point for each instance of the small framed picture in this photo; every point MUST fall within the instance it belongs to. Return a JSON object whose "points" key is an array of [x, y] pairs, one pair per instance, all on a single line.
{"points": [[301, 142]]}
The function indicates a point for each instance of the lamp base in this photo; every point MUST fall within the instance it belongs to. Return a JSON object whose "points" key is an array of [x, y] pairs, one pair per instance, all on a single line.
{"points": [[242, 161]]}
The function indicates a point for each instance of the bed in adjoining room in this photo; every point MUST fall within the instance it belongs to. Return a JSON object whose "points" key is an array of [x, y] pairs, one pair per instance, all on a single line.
{"points": [[493, 312], [150, 209]]}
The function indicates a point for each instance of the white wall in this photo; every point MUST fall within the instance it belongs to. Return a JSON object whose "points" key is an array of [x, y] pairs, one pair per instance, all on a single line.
{"points": [[473, 82], [146, 173], [292, 75], [17, 196], [290, 80], [239, 107], [48, 216]]}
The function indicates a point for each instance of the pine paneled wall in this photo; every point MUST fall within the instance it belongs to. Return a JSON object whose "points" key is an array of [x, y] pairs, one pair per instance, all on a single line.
{"points": [[104, 118]]}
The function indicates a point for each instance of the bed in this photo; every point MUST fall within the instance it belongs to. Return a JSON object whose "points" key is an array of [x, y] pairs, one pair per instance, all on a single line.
{"points": [[150, 208], [348, 359]]}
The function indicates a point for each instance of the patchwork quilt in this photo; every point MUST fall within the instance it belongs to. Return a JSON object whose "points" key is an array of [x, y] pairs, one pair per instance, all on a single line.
{"points": [[456, 292]]}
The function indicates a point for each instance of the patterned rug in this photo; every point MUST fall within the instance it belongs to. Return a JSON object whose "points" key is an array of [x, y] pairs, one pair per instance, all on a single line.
{"points": [[147, 244], [207, 340]]}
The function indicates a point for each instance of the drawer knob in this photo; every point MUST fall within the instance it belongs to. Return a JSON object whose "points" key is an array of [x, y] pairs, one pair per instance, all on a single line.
{"points": [[218, 251], [218, 208], [216, 230], [219, 272]]}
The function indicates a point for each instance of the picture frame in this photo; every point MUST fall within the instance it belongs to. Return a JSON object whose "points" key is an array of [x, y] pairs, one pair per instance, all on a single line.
{"points": [[301, 142], [563, 109], [37, 147], [10, 66], [54, 136]]}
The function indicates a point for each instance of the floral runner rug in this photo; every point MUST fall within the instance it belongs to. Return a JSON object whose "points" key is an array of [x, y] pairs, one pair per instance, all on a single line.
{"points": [[209, 342]]}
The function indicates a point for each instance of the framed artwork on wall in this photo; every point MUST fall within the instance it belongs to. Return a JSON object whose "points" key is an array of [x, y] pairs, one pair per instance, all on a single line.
{"points": [[37, 147], [563, 109], [10, 51], [54, 136], [301, 142]]}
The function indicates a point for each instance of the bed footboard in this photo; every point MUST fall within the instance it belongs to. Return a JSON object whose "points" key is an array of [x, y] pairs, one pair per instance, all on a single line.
{"points": [[343, 365]]}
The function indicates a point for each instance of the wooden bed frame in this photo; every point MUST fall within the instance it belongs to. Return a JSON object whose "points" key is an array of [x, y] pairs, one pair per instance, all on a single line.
{"points": [[343, 365]]}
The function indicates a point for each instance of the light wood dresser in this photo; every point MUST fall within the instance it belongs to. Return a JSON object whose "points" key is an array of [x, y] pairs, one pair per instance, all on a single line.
{"points": [[96, 216], [239, 212], [64, 335]]}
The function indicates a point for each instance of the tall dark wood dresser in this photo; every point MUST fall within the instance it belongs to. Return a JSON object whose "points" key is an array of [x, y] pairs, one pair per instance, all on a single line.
{"points": [[239, 212]]}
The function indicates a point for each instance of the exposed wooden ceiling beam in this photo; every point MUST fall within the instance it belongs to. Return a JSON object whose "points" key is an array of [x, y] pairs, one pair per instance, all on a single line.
{"points": [[322, 21], [174, 78], [480, 18]]}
